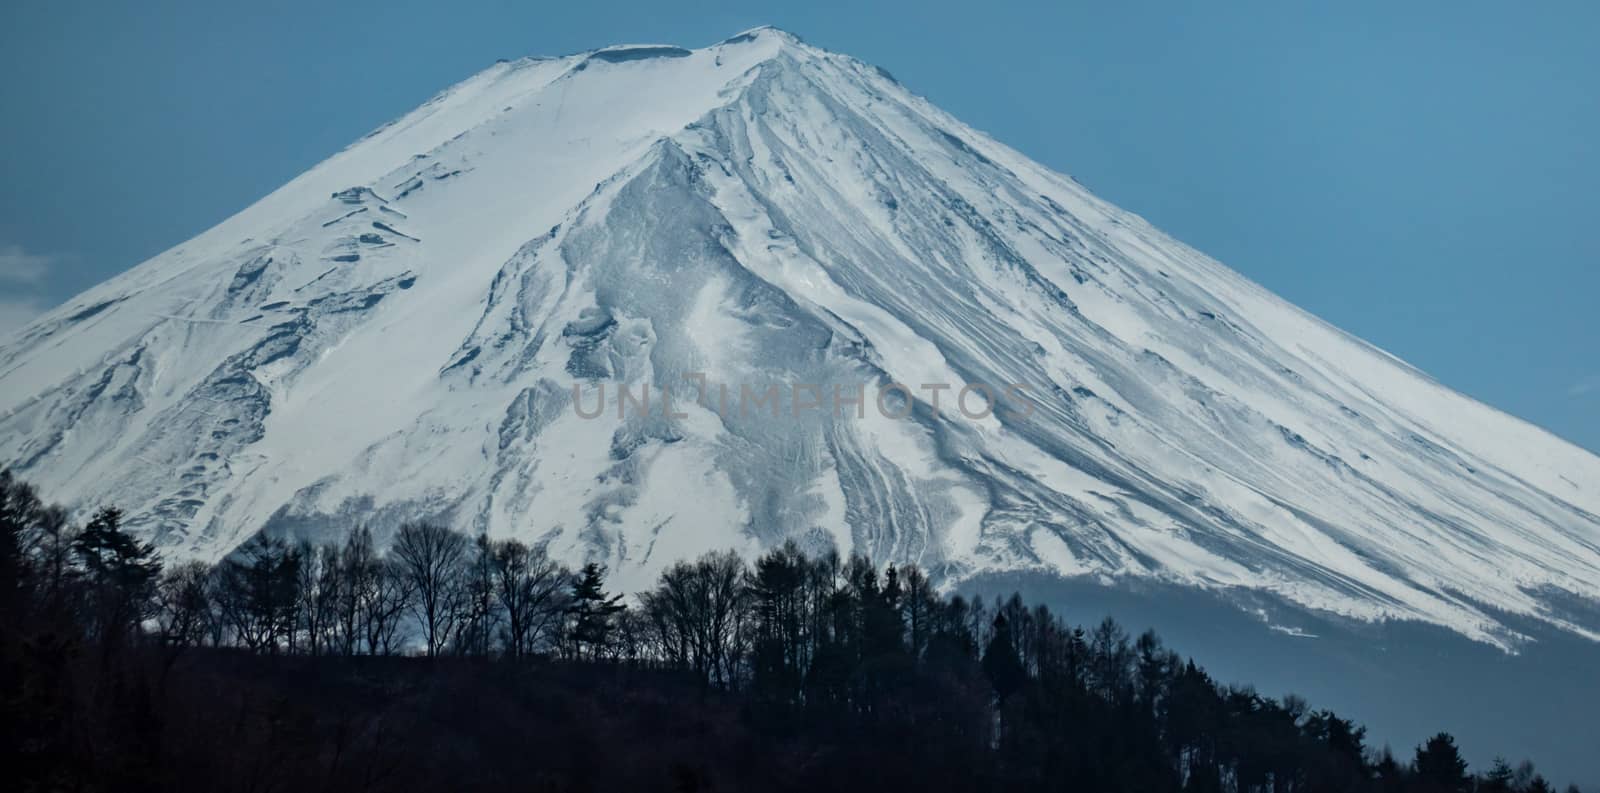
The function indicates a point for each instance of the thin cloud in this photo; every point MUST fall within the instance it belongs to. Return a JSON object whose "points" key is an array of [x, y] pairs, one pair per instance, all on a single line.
{"points": [[1585, 387], [18, 266], [16, 313], [22, 277]]}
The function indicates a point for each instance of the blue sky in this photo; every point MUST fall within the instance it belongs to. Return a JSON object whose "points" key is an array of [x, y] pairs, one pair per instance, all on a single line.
{"points": [[1424, 176]]}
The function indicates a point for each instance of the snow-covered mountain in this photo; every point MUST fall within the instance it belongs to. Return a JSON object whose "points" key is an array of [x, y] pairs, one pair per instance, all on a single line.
{"points": [[398, 333]]}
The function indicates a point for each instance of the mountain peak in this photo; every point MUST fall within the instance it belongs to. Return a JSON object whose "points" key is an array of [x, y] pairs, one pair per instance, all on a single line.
{"points": [[420, 327], [760, 31]]}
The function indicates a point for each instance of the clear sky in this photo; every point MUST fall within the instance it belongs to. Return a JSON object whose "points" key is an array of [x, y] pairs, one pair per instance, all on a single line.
{"points": [[1422, 174]]}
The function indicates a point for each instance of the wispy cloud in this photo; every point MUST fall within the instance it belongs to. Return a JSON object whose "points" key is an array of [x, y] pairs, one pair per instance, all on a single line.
{"points": [[16, 313], [22, 277], [18, 266], [1586, 387]]}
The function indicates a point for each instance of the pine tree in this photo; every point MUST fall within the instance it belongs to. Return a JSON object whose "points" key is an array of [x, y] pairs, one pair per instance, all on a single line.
{"points": [[1390, 774], [1499, 779], [1000, 662], [121, 572], [592, 612], [19, 510], [1440, 767], [917, 608]]}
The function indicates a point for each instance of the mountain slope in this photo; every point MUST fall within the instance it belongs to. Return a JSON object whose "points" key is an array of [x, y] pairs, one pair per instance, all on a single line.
{"points": [[398, 333]]}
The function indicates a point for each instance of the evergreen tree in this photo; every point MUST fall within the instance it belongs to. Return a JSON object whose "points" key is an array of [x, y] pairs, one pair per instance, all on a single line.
{"points": [[592, 613], [1440, 768], [19, 511], [121, 574], [917, 608], [1500, 778], [1000, 662], [1391, 776], [856, 673]]}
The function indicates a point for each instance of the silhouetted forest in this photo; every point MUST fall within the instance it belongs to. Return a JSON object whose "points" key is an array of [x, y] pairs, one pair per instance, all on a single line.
{"points": [[444, 662]]}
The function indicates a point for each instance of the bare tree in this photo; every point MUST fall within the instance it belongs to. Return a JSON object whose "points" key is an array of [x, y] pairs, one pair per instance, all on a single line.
{"points": [[183, 601], [255, 593], [432, 559], [531, 589], [697, 613], [383, 604], [357, 571], [318, 590], [480, 612]]}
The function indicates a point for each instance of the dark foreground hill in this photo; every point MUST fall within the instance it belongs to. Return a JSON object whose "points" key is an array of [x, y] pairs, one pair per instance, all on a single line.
{"points": [[278, 670]]}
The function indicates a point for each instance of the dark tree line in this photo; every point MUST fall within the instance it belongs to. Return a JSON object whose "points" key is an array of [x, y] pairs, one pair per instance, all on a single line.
{"points": [[121, 673]]}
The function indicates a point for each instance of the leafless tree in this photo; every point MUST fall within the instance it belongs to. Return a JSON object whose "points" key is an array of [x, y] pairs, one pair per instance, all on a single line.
{"points": [[385, 601], [480, 611], [318, 586], [357, 571], [432, 559], [697, 612], [183, 599], [255, 593], [531, 589]]}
